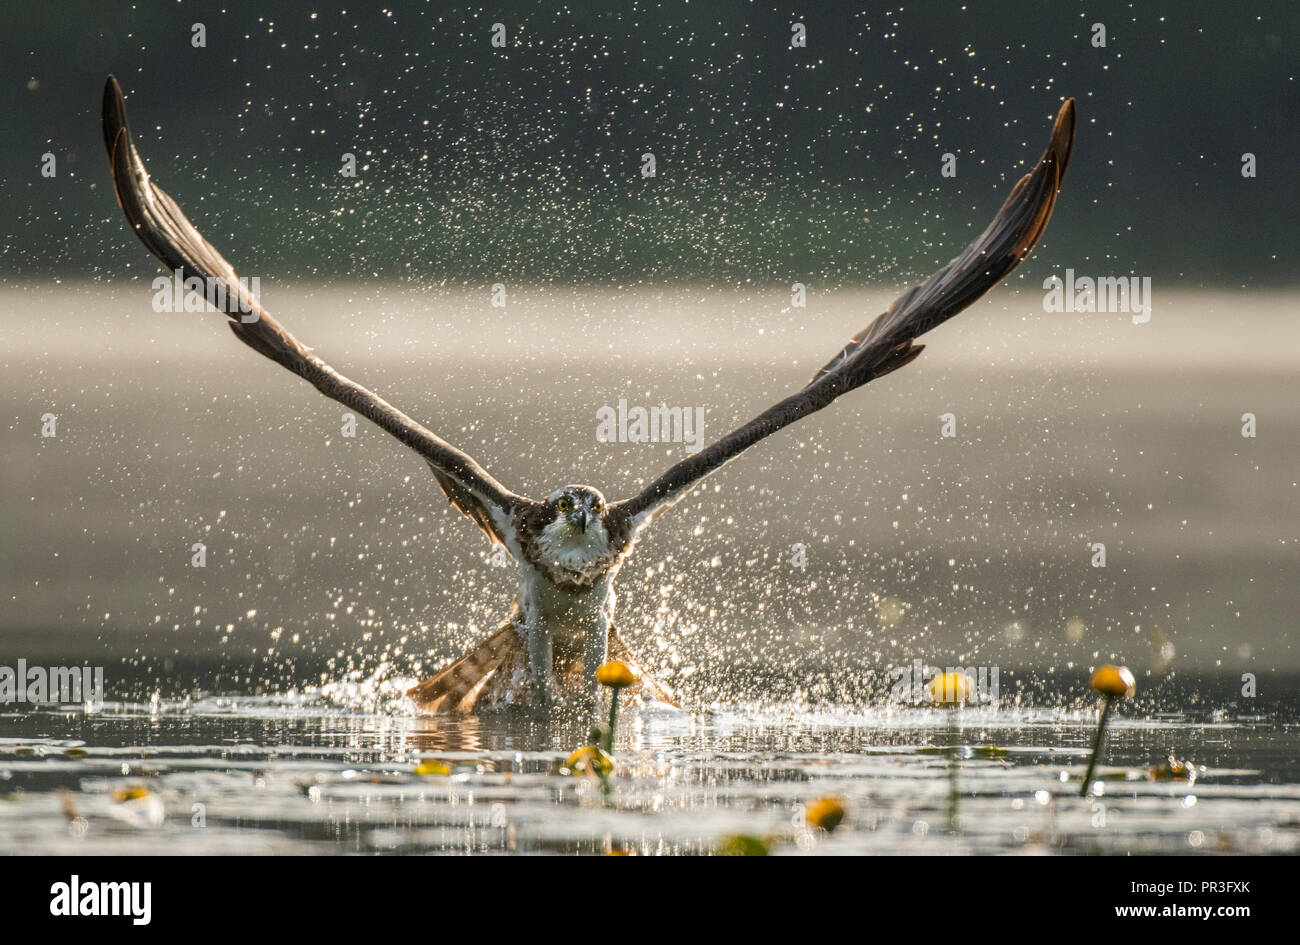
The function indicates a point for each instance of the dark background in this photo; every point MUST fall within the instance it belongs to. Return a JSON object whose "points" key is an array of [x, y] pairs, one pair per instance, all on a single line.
{"points": [[821, 161]]}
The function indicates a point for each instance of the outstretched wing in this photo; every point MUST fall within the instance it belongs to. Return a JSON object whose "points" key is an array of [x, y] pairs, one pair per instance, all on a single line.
{"points": [[887, 344], [165, 231]]}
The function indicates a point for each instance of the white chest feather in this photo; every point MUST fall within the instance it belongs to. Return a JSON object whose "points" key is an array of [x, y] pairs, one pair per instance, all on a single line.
{"points": [[565, 591], [567, 620], [542, 601], [565, 548]]}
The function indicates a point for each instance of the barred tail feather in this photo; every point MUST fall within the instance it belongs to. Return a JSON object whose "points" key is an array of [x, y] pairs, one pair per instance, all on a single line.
{"points": [[457, 687], [479, 679]]}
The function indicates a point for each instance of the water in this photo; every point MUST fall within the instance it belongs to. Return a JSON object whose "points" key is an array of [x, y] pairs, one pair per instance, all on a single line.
{"points": [[306, 773]]}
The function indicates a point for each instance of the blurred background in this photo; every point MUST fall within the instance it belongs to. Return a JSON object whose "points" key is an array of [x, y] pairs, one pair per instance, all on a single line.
{"points": [[822, 161], [775, 165]]}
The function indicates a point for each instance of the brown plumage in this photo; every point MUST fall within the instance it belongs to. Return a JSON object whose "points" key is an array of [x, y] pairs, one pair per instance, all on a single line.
{"points": [[492, 675], [571, 546], [459, 687]]}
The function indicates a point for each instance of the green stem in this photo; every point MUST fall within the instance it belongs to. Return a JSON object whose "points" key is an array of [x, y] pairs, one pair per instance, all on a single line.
{"points": [[613, 718], [953, 789], [1096, 745]]}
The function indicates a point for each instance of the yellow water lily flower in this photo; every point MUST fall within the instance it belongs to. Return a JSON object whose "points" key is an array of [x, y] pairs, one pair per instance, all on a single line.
{"points": [[590, 760], [951, 688], [1173, 770], [825, 812], [1116, 682], [616, 674], [132, 793]]}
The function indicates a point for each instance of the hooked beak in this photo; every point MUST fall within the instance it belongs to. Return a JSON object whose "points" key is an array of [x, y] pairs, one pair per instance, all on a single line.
{"points": [[580, 517]]}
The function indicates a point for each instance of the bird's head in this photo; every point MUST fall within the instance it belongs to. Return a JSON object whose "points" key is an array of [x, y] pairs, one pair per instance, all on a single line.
{"points": [[576, 513], [573, 534]]}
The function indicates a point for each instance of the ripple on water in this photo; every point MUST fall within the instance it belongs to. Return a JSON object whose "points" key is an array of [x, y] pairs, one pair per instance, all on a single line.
{"points": [[308, 772]]}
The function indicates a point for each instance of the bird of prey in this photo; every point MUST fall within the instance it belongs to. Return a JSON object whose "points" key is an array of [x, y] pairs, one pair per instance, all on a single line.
{"points": [[570, 545]]}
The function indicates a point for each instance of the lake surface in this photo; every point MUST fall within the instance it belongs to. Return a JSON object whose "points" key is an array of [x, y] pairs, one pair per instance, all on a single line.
{"points": [[303, 773]]}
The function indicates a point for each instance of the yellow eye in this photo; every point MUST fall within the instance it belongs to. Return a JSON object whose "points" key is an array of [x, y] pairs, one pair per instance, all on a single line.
{"points": [[597, 506], [564, 505]]}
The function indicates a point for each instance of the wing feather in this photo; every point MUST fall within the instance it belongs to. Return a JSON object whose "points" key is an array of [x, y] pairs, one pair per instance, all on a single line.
{"points": [[166, 232], [888, 343]]}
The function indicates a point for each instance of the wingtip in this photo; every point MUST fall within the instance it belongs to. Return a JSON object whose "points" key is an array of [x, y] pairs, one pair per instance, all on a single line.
{"points": [[1065, 117], [114, 114], [1063, 136]]}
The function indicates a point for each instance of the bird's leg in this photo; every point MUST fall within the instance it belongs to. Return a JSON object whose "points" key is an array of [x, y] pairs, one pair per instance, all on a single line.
{"points": [[540, 661]]}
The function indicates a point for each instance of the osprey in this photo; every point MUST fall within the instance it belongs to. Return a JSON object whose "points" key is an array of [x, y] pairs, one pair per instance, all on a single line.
{"points": [[571, 545]]}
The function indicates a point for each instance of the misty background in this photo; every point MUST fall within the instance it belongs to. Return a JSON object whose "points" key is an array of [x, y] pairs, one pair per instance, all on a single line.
{"points": [[774, 166]]}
